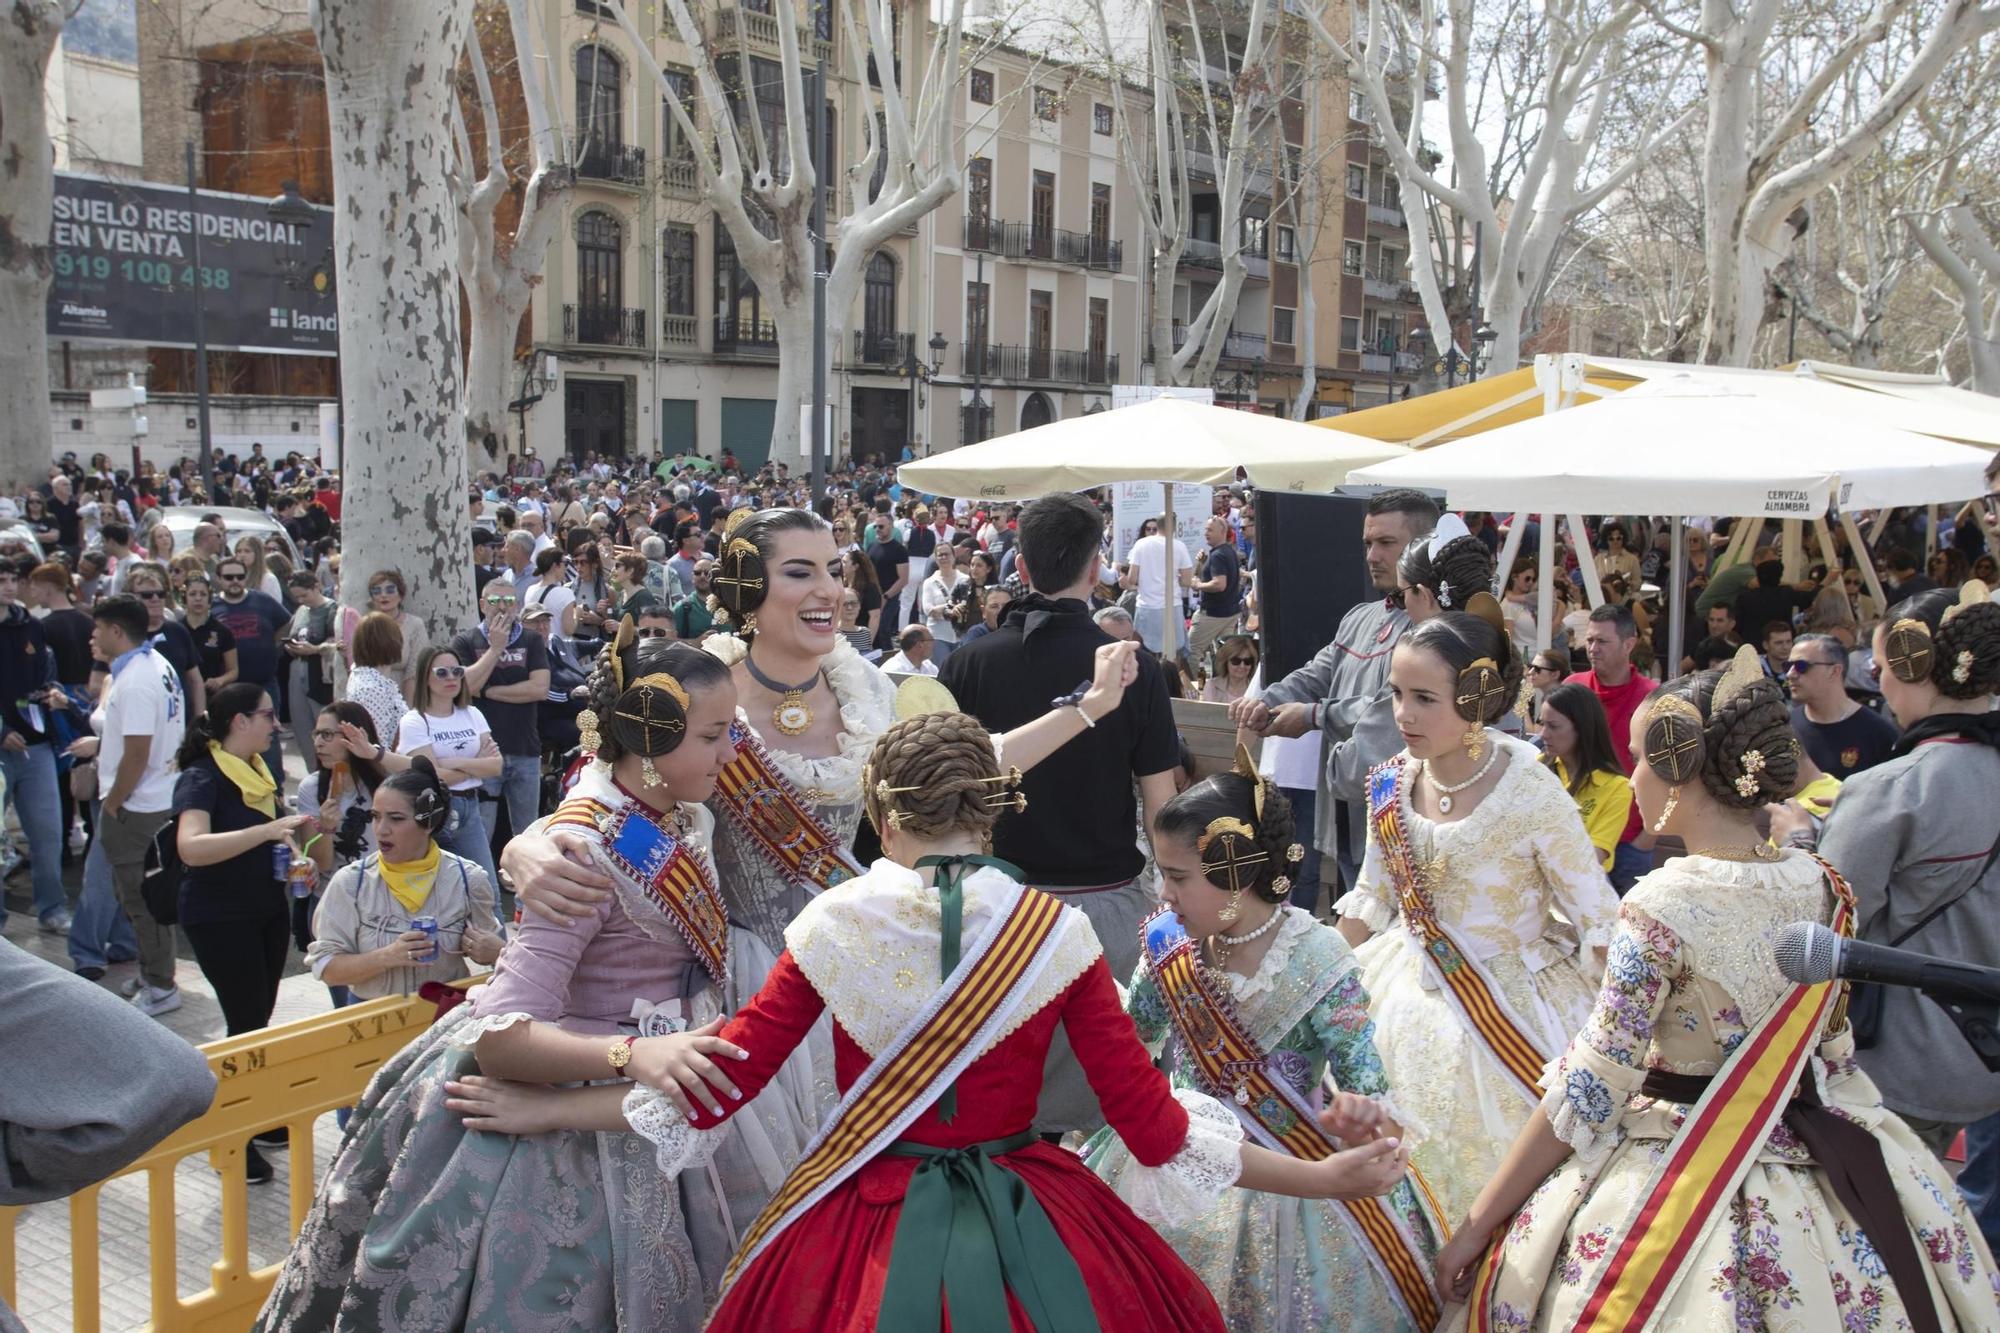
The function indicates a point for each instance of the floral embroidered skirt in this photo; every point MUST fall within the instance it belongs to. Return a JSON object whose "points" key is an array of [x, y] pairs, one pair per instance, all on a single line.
{"points": [[1786, 1255]]}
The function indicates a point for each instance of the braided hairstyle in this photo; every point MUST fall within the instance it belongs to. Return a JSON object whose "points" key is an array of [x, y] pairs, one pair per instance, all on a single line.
{"points": [[936, 774], [1973, 630], [1462, 566], [1755, 718], [744, 558], [1232, 796], [1461, 638], [694, 669], [429, 798]]}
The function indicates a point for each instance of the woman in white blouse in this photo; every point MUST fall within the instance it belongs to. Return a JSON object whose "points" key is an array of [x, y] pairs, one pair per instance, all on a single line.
{"points": [[373, 683], [941, 600]]}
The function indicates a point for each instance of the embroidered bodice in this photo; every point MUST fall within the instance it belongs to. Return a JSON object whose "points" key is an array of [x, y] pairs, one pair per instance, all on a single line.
{"points": [[1689, 974], [761, 898], [1517, 875]]}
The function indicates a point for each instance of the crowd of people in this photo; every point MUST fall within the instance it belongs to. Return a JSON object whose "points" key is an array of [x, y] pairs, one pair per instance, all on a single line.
{"points": [[866, 951]]}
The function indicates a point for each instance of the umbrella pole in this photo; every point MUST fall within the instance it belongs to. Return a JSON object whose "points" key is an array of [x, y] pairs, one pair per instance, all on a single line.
{"points": [[1545, 584], [1170, 605], [1793, 544], [1510, 550], [1677, 584], [1586, 562], [1867, 566]]}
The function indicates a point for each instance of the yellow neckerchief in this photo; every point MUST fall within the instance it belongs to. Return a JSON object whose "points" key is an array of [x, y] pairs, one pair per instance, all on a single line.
{"points": [[252, 779], [410, 881]]}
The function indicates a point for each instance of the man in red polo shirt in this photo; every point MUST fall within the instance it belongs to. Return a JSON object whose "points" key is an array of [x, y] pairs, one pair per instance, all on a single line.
{"points": [[1608, 640]]}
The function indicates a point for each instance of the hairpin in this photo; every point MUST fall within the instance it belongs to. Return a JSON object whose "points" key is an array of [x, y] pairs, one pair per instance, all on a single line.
{"points": [[1909, 650], [662, 681], [1676, 745], [1961, 672], [1752, 764], [1016, 801]]}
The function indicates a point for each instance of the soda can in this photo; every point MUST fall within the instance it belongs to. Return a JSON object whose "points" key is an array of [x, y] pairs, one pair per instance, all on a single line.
{"points": [[429, 926], [281, 859], [302, 877]]}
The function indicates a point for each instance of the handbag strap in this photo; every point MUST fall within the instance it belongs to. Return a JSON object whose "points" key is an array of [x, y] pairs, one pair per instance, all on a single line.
{"points": [[1992, 854]]}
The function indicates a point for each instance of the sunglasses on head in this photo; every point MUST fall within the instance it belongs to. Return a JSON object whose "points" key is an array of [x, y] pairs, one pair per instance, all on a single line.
{"points": [[448, 672]]}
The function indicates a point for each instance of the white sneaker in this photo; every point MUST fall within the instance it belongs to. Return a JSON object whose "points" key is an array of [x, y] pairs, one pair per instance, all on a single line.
{"points": [[78, 841], [130, 986], [153, 1002]]}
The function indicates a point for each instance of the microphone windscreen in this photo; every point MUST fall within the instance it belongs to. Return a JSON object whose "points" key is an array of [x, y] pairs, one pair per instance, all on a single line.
{"points": [[1807, 953]]}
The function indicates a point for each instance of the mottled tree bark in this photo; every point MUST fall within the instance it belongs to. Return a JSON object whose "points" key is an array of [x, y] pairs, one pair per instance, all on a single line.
{"points": [[28, 33]]}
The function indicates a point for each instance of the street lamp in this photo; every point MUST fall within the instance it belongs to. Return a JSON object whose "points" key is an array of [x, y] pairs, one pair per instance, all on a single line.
{"points": [[534, 384], [917, 371], [1454, 360]]}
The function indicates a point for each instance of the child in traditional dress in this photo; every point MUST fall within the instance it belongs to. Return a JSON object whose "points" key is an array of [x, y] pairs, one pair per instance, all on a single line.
{"points": [[926, 1192], [1708, 1154], [422, 1224], [1227, 956]]}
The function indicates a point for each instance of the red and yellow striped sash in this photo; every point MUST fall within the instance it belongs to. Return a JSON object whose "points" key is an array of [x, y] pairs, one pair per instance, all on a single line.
{"points": [[1232, 1067], [1471, 991], [778, 819], [674, 876], [910, 1075], [1707, 1160]]}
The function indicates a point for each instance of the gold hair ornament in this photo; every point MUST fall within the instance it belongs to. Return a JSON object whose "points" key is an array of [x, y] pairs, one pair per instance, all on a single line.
{"points": [[1675, 743], [1246, 769], [1910, 651], [1237, 854], [662, 681], [1745, 670], [1752, 764]]}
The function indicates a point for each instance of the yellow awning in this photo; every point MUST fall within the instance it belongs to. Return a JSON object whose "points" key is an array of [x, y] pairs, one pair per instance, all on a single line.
{"points": [[1468, 409]]}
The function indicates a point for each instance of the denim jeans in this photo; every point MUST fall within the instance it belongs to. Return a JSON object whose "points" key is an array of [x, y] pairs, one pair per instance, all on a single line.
{"points": [[466, 833], [100, 934], [31, 785], [521, 789], [1980, 1181]]}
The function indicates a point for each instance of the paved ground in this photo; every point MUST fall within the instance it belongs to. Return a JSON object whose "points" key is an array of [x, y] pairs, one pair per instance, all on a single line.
{"points": [[43, 1236]]}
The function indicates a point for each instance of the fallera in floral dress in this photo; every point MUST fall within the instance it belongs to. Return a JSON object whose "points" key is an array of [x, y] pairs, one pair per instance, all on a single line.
{"points": [[1691, 972], [1272, 1262]]}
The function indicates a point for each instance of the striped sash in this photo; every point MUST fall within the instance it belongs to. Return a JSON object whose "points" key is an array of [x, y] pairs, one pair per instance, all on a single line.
{"points": [[926, 1057], [673, 875], [778, 819], [1459, 975], [1230, 1066], [1707, 1160]]}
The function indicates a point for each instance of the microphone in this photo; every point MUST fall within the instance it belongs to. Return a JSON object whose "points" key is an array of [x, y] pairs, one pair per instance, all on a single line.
{"points": [[1810, 954]]}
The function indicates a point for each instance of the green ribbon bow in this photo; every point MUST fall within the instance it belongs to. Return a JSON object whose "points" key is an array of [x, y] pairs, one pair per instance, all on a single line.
{"points": [[951, 873], [970, 1232]]}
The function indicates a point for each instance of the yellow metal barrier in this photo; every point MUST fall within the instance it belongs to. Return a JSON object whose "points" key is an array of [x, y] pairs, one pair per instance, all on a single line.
{"points": [[288, 1075]]}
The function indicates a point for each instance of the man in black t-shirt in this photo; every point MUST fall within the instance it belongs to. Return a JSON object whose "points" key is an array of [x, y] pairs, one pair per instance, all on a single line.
{"points": [[892, 570], [507, 671], [1221, 589], [63, 509], [1079, 836], [1841, 736]]}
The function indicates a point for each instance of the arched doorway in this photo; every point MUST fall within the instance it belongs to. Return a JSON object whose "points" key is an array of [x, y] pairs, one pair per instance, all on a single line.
{"points": [[1037, 411], [600, 278]]}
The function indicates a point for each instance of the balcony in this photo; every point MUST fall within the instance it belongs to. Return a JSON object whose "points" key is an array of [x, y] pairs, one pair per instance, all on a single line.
{"points": [[1202, 254], [682, 331], [680, 178], [1378, 288], [746, 337], [1052, 245], [1256, 266], [1244, 346], [744, 25], [1046, 365], [604, 326], [1409, 363], [890, 351], [975, 424], [1377, 363], [624, 164], [1386, 215], [1202, 166]]}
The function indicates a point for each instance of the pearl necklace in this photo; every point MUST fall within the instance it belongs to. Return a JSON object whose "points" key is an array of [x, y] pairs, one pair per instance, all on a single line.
{"points": [[1444, 793], [1223, 944]]}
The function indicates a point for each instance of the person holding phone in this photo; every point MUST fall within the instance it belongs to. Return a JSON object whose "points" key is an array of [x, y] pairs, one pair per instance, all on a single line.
{"points": [[507, 670]]}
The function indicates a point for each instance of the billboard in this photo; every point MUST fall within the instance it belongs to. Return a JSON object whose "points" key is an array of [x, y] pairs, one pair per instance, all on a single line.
{"points": [[125, 269]]}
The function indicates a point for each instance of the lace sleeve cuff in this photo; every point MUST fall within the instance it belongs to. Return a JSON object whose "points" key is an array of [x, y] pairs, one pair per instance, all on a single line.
{"points": [[677, 1145], [1585, 1103], [467, 1035], [1184, 1187], [1373, 912]]}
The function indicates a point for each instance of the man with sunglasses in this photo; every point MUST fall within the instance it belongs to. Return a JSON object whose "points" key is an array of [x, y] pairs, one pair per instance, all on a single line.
{"points": [[1842, 737], [693, 621], [258, 622], [507, 670]]}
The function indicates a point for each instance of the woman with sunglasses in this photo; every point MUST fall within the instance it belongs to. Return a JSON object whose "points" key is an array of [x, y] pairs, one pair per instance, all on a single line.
{"points": [[386, 591], [1546, 670], [1236, 656], [234, 844], [593, 600], [455, 737]]}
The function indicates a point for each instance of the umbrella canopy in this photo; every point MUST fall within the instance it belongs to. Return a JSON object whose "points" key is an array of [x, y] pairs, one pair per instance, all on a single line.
{"points": [[1165, 439], [1690, 445]]}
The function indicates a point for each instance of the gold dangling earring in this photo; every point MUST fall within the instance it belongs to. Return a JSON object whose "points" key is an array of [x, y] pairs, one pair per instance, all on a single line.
{"points": [[649, 774], [749, 623], [1475, 736], [1229, 913], [1667, 810]]}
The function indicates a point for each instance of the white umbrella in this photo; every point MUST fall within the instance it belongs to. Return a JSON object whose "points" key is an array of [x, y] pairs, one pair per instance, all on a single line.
{"points": [[1164, 440], [1687, 445]]}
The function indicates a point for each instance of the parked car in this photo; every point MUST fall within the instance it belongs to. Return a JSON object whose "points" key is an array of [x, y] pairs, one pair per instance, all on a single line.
{"points": [[17, 538], [182, 519]]}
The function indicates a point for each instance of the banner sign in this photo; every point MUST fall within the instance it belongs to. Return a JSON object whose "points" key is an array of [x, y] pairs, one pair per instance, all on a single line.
{"points": [[125, 270]]}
